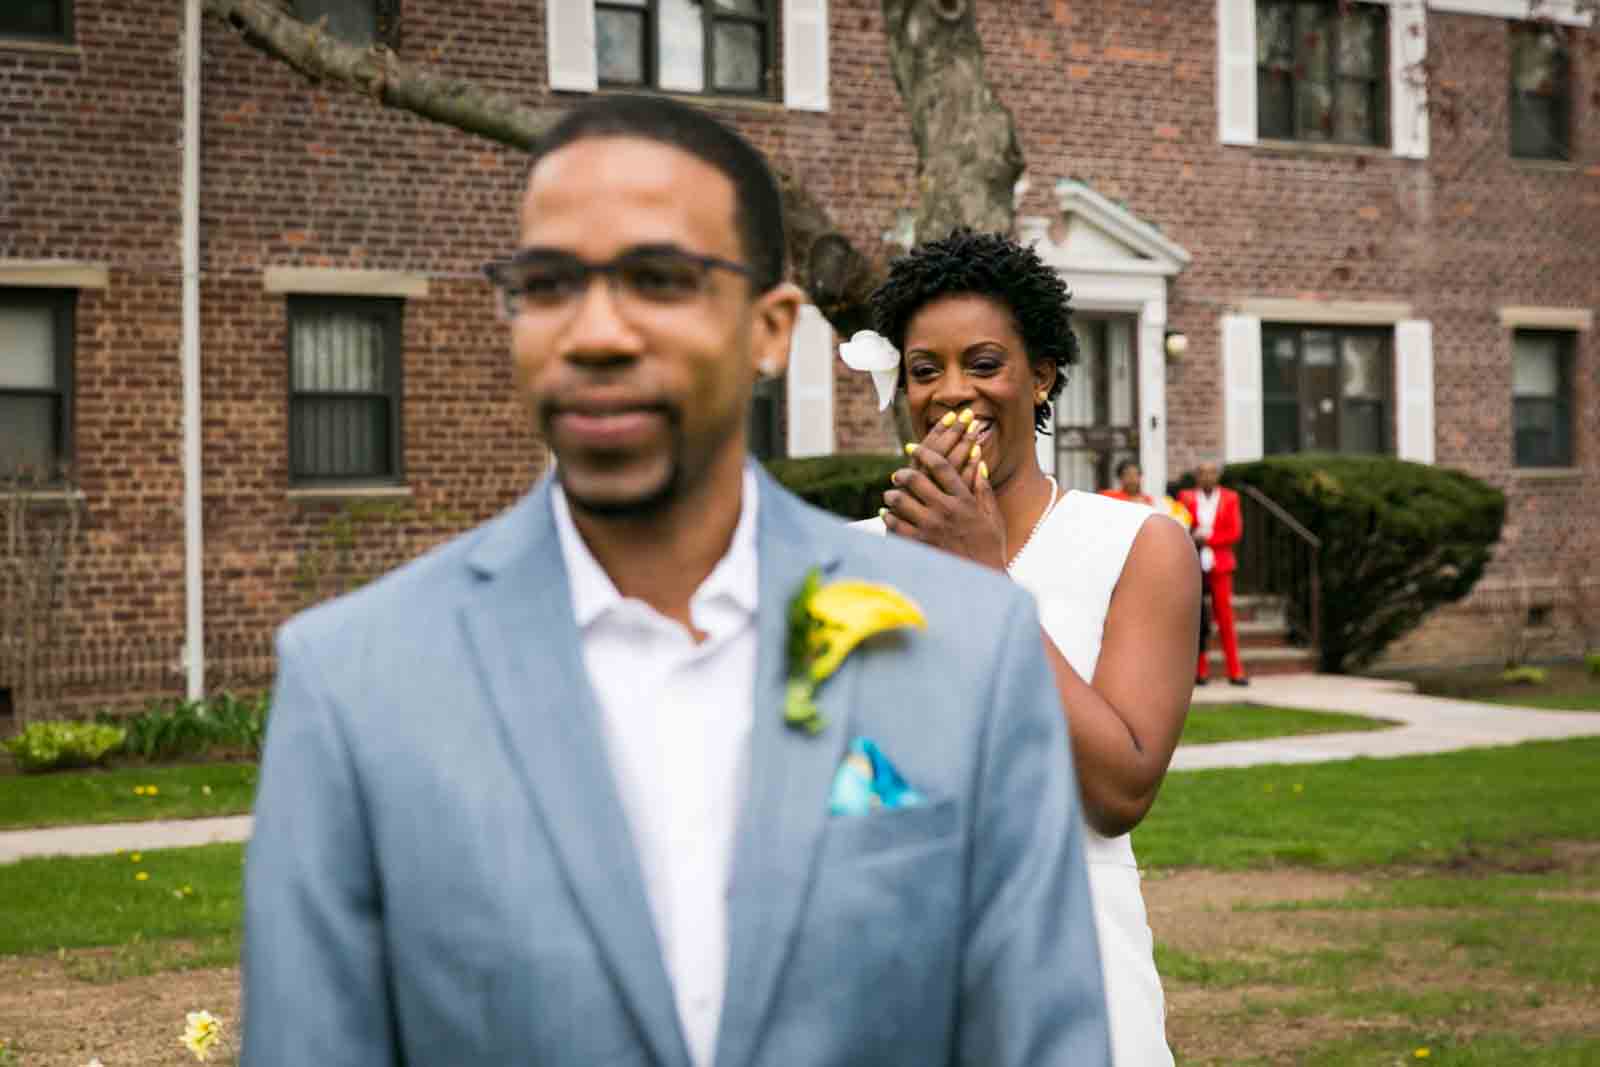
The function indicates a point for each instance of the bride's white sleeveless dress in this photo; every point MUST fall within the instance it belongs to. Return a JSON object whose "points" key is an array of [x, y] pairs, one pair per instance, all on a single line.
{"points": [[1071, 565]]}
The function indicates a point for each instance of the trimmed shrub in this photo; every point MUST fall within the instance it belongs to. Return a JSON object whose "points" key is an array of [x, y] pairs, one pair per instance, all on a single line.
{"points": [[1398, 540], [1524, 676], [59, 746], [1592, 661], [851, 487]]}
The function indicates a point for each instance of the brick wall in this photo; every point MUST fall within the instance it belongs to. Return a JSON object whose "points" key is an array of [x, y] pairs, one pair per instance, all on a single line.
{"points": [[1118, 93]]}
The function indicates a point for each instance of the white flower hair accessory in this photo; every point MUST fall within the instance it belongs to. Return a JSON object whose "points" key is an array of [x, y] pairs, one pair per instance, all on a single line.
{"points": [[873, 353]]}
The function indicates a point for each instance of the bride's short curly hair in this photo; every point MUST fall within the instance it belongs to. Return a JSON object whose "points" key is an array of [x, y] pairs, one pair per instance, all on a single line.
{"points": [[994, 266]]}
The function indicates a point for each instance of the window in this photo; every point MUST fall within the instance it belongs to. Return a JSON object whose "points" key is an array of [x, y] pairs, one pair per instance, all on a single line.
{"points": [[1321, 71], [344, 389], [1540, 92], [36, 20], [1541, 398], [358, 22], [1325, 389], [36, 381], [766, 419], [695, 46]]}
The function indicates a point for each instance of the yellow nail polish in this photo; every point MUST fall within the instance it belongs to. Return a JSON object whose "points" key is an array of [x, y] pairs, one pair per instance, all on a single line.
{"points": [[975, 453], [966, 416], [983, 470], [949, 419], [911, 448], [972, 429], [883, 513]]}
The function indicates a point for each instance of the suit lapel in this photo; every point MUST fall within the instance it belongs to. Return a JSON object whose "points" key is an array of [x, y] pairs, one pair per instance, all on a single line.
{"points": [[527, 644], [790, 776]]}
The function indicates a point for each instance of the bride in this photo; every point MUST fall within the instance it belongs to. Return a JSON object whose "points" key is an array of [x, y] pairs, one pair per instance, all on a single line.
{"points": [[985, 329]]}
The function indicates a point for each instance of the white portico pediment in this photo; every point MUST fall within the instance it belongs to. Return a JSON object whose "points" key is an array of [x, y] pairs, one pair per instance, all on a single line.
{"points": [[1090, 233]]}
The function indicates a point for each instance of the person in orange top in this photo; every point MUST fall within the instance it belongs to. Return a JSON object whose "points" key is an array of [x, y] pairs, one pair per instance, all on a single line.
{"points": [[1218, 526], [1130, 487]]}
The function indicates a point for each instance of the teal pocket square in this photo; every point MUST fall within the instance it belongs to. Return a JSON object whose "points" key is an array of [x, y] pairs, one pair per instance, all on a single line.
{"points": [[867, 781]]}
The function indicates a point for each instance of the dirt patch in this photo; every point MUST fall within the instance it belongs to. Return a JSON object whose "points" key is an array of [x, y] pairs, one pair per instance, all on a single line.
{"points": [[52, 1019]]}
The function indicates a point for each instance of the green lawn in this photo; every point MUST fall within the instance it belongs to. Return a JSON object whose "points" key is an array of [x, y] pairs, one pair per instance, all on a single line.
{"points": [[1210, 723], [181, 792], [75, 902], [1567, 687], [1361, 812]]}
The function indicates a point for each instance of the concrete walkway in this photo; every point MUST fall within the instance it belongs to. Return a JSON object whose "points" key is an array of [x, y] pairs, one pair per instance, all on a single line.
{"points": [[1430, 725]]}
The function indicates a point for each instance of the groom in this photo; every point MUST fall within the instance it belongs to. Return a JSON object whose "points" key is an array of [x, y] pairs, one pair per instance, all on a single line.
{"points": [[531, 799]]}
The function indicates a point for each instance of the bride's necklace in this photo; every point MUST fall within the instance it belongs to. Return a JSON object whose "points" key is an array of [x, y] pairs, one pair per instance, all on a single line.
{"points": [[1043, 515]]}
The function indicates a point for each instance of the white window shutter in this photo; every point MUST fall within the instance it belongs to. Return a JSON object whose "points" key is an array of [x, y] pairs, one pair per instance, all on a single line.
{"points": [[1241, 377], [810, 385], [570, 46], [1408, 87], [1236, 71], [805, 54], [1413, 375]]}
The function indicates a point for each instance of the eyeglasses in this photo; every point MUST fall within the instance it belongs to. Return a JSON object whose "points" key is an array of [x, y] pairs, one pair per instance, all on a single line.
{"points": [[546, 280]]}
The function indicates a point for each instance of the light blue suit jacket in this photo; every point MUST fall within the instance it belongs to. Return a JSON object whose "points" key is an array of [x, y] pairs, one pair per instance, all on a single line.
{"points": [[442, 873]]}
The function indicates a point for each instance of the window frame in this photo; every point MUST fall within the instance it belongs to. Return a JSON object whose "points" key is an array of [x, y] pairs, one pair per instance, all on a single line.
{"points": [[1387, 402], [1562, 401], [1381, 126], [386, 23], [709, 18], [66, 32], [1561, 124], [392, 311], [63, 305]]}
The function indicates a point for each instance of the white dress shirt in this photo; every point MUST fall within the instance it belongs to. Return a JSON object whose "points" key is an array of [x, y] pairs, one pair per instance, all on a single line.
{"points": [[676, 719], [1205, 508]]}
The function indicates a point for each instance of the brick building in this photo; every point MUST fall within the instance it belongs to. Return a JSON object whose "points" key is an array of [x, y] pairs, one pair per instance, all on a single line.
{"points": [[1351, 262]]}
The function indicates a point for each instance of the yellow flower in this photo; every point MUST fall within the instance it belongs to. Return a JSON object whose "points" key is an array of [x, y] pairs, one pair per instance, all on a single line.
{"points": [[849, 612], [142, 876], [201, 1033], [138, 790], [134, 857], [150, 790], [1422, 1053], [206, 789], [826, 623]]}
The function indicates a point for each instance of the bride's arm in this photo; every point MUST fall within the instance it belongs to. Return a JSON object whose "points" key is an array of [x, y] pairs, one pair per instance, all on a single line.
{"points": [[1125, 723]]}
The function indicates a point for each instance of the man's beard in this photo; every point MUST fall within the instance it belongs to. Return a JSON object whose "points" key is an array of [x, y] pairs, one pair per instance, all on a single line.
{"points": [[647, 506]]}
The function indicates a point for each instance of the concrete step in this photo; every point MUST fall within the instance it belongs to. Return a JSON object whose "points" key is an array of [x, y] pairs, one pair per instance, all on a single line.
{"points": [[1264, 661]]}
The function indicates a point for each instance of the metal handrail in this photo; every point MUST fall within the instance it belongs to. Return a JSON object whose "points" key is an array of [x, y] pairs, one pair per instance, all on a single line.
{"points": [[1302, 585]]}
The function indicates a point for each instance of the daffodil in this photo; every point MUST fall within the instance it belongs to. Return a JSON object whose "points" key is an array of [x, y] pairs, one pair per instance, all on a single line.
{"points": [[1423, 1053], [142, 876], [201, 1033], [826, 623], [134, 858]]}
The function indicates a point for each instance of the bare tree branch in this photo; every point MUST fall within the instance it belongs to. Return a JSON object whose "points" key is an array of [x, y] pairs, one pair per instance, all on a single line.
{"points": [[839, 280]]}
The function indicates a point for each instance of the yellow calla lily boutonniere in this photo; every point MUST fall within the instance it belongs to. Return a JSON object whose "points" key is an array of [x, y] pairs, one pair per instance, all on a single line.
{"points": [[826, 623]]}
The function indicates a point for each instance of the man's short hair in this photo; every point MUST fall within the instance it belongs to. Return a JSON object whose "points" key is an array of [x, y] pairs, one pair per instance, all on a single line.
{"points": [[758, 205]]}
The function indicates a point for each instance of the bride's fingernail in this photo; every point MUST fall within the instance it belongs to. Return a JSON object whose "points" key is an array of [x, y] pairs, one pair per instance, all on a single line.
{"points": [[966, 417], [949, 419], [911, 448], [883, 513], [983, 470], [975, 453], [897, 476], [972, 429]]}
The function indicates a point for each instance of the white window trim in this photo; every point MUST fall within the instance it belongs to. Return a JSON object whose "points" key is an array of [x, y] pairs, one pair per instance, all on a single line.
{"points": [[54, 274], [1326, 312], [337, 281], [1562, 11], [1517, 317]]}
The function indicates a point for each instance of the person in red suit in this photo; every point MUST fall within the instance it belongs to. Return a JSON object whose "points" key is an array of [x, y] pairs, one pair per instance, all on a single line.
{"points": [[1217, 528]]}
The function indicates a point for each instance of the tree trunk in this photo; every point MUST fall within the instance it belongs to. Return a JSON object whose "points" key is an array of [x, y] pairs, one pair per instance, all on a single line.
{"points": [[968, 159]]}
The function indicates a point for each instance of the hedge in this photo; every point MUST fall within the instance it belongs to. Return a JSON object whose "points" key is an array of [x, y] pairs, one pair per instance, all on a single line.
{"points": [[850, 486]]}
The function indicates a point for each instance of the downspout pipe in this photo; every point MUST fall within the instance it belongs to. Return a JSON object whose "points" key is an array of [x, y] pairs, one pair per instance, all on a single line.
{"points": [[194, 658]]}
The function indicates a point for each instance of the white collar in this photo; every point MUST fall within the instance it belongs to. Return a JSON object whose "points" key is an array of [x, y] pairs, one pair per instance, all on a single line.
{"points": [[736, 577]]}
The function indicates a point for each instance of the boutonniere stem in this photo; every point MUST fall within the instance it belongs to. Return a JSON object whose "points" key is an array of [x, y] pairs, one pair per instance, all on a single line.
{"points": [[826, 623]]}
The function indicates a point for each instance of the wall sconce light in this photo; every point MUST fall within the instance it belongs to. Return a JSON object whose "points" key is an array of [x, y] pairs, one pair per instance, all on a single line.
{"points": [[1177, 345]]}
